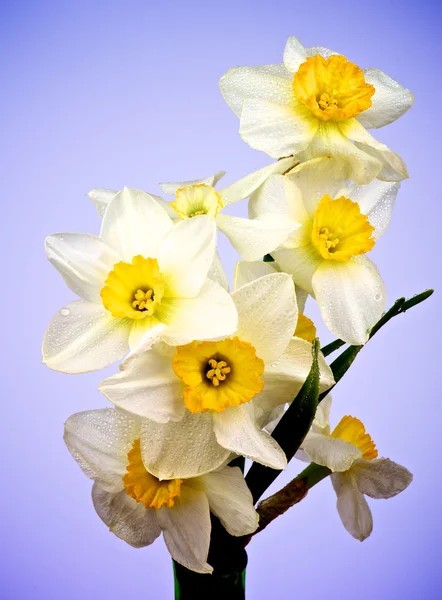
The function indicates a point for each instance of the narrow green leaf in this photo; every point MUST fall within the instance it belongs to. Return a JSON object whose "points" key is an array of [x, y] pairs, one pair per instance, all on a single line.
{"points": [[332, 347], [416, 300]]}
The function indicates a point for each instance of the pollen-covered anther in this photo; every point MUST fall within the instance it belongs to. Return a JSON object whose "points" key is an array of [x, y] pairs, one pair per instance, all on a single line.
{"points": [[218, 371], [326, 101], [143, 300]]}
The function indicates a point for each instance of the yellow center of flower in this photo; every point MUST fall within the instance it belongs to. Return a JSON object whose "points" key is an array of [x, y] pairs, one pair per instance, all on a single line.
{"points": [[305, 328], [134, 289], [333, 88], [197, 199], [218, 374], [144, 487], [340, 230], [352, 430]]}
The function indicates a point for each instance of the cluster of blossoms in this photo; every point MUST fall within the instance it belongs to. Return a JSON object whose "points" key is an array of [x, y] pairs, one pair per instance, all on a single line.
{"points": [[206, 372]]}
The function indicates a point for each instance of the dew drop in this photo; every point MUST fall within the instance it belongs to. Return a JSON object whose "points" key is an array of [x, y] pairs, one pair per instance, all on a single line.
{"points": [[65, 312]]}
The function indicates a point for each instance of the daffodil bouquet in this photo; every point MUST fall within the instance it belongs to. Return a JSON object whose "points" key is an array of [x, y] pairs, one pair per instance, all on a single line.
{"points": [[210, 377]]}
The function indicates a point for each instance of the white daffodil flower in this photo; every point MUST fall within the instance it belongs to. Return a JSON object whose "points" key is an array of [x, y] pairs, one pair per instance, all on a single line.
{"points": [[251, 238], [143, 279], [327, 254], [203, 400], [317, 103], [137, 507], [350, 453]]}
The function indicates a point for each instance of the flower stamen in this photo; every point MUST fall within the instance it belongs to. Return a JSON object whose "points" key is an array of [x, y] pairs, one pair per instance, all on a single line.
{"points": [[218, 371]]}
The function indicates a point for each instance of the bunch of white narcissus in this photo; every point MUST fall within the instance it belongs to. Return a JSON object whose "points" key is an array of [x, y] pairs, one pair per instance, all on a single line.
{"points": [[207, 374]]}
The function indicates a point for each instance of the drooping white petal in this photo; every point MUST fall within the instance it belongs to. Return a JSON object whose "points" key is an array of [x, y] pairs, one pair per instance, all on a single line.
{"points": [[301, 263], [147, 387], [212, 314], [183, 449], [294, 54], [126, 518], [267, 314], [134, 224], [351, 297], [330, 452], [229, 499], [390, 100], [236, 429], [381, 477], [101, 198], [275, 129], [352, 506], [254, 238], [171, 188], [240, 83], [247, 185], [248, 271], [84, 261], [99, 440], [321, 422], [216, 272], [376, 200], [185, 256], [83, 336], [186, 529]]}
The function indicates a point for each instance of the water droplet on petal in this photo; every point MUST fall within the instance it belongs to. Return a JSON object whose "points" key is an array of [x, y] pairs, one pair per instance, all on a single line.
{"points": [[65, 312]]}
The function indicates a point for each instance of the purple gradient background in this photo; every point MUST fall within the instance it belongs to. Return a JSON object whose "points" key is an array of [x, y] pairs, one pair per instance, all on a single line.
{"points": [[107, 94]]}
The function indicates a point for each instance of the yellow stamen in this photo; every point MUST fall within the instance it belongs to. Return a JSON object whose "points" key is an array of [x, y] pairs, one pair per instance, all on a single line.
{"points": [[352, 430], [144, 487], [340, 230], [134, 289], [305, 328], [218, 374], [197, 199], [333, 88]]}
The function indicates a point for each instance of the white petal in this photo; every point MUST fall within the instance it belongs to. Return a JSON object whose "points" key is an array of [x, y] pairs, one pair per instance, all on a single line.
{"points": [[216, 272], [144, 333], [301, 263], [212, 314], [101, 198], [325, 52], [186, 529], [330, 452], [275, 129], [294, 54], [352, 506], [187, 448], [267, 314], [186, 254], [147, 387], [99, 440], [237, 430], [126, 518], [321, 422], [84, 336], [381, 477], [301, 298], [389, 102], [229, 499], [84, 261], [351, 297], [254, 238], [171, 188], [134, 224], [376, 200], [240, 83], [246, 272]]}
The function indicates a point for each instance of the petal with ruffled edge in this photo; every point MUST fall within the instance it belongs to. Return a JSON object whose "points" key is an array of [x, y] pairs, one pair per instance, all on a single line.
{"points": [[99, 440], [172, 187], [229, 499], [84, 261], [301, 263], [147, 387], [83, 336], [275, 129], [352, 506], [294, 54], [134, 224], [185, 256], [254, 238], [390, 100], [240, 83], [186, 529], [334, 453], [267, 314], [381, 477], [126, 518], [351, 297], [187, 448], [236, 429]]}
